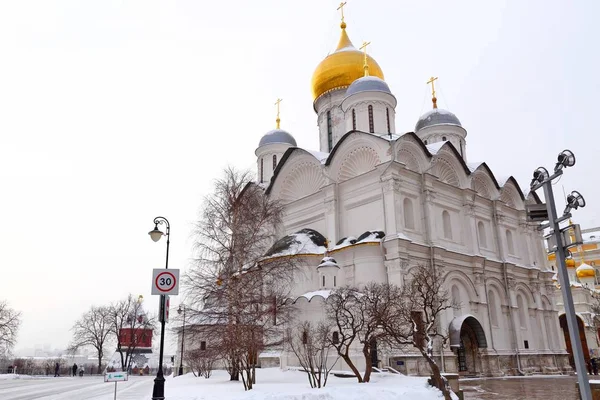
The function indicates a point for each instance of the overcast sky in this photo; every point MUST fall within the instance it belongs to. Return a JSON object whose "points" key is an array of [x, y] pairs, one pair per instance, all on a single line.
{"points": [[114, 112]]}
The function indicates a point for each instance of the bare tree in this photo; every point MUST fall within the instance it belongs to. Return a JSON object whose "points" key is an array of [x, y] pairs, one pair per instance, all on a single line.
{"points": [[415, 320], [231, 284], [92, 329], [128, 316], [357, 316], [312, 346], [10, 321]]}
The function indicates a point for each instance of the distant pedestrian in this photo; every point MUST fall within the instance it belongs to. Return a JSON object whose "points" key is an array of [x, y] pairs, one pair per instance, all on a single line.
{"points": [[74, 368], [594, 362], [56, 370], [81, 371]]}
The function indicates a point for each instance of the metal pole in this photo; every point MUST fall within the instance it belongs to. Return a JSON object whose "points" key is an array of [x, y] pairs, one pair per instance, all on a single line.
{"points": [[182, 339], [565, 287], [158, 393], [115, 390]]}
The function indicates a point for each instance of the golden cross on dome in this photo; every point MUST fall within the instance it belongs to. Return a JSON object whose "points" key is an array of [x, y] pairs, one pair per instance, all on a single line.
{"points": [[433, 98], [277, 104], [341, 8], [366, 65]]}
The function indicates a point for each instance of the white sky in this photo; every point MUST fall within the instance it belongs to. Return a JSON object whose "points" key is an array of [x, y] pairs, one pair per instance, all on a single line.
{"points": [[114, 112]]}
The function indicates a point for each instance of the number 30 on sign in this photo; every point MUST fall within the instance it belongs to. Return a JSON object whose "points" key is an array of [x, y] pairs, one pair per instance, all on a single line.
{"points": [[165, 281]]}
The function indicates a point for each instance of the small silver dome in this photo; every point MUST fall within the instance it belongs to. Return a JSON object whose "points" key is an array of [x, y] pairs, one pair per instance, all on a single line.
{"points": [[437, 116], [368, 84], [277, 136]]}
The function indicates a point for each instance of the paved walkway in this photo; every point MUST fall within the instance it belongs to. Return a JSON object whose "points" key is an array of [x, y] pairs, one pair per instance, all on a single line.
{"points": [[534, 387]]}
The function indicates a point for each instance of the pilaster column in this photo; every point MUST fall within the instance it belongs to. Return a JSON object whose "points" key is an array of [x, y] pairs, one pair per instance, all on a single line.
{"points": [[391, 186]]}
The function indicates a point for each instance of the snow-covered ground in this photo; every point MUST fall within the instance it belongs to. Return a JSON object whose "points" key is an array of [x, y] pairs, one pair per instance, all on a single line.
{"points": [[272, 384]]}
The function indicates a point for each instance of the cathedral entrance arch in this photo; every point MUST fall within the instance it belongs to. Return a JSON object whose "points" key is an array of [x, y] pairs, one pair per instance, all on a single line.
{"points": [[466, 338], [562, 319]]}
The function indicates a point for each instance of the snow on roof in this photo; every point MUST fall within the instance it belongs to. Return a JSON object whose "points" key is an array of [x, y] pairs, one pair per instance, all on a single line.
{"points": [[474, 165], [370, 237], [435, 147], [319, 155], [344, 242], [305, 241], [328, 262], [323, 293]]}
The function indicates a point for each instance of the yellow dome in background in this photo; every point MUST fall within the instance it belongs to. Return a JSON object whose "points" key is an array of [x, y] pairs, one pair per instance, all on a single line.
{"points": [[342, 67], [570, 263], [585, 271]]}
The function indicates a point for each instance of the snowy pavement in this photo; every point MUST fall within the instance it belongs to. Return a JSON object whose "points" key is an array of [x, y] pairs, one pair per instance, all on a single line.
{"points": [[272, 384], [77, 388]]}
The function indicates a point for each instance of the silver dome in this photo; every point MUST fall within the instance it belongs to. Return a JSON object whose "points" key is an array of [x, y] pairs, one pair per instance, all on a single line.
{"points": [[277, 136], [368, 84], [437, 116]]}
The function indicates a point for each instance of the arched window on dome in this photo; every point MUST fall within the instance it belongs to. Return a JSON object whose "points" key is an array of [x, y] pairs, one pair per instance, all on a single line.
{"points": [[444, 138], [262, 167], [493, 310], [425, 142], [387, 115], [371, 125], [329, 131], [509, 242], [353, 119], [482, 235], [409, 217], [274, 161], [447, 225]]}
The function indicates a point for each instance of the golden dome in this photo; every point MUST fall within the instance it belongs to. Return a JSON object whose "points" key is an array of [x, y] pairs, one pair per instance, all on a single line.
{"points": [[342, 67], [585, 271], [570, 263]]}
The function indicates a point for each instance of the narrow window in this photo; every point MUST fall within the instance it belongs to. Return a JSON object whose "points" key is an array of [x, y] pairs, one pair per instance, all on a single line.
{"points": [[203, 345], [522, 310], [304, 337], [387, 115], [371, 126], [323, 280], [329, 131], [509, 242], [456, 301], [274, 161], [262, 166], [493, 310], [424, 141], [409, 218], [353, 119], [334, 280], [482, 236], [444, 138], [447, 225], [336, 337], [526, 344]]}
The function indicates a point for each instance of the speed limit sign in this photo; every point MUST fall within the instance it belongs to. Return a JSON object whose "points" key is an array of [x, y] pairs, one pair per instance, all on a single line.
{"points": [[165, 281]]}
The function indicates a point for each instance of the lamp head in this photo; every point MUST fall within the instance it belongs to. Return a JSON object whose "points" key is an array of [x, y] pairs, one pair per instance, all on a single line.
{"points": [[566, 158], [539, 175], [155, 233], [575, 200]]}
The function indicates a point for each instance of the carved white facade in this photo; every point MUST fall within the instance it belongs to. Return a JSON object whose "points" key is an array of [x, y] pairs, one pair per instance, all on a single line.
{"points": [[435, 209]]}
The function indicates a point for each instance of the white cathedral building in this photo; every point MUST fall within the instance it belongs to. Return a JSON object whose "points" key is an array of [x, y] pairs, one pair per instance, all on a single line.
{"points": [[384, 202]]}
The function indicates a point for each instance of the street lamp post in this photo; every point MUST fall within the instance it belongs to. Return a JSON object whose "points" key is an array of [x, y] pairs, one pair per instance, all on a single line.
{"points": [[542, 179], [158, 393], [179, 311]]}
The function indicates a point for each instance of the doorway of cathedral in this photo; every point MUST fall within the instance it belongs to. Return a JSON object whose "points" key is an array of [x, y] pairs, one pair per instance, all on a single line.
{"points": [[565, 328], [466, 338]]}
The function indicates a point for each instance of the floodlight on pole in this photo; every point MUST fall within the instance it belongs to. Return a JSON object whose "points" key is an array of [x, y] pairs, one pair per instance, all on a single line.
{"points": [[541, 179]]}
